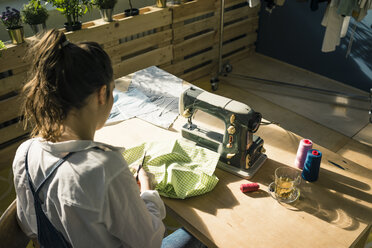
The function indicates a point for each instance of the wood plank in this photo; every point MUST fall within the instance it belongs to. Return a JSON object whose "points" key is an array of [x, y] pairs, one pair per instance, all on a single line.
{"points": [[12, 83], [165, 64], [155, 57], [111, 43], [21, 69], [195, 27], [139, 44], [243, 12], [239, 28], [169, 68], [142, 11], [194, 44], [198, 73], [177, 25], [361, 241], [9, 108], [248, 51], [124, 27], [87, 25], [356, 152], [12, 132], [13, 57], [170, 71], [7, 154], [364, 135], [229, 3], [244, 42], [192, 9], [183, 65]]}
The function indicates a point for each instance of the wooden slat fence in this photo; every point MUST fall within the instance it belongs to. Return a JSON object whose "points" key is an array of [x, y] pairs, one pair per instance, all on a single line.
{"points": [[181, 39], [195, 36]]}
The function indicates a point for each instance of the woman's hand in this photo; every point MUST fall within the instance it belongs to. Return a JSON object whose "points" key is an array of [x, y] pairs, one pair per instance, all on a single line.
{"points": [[144, 180]]}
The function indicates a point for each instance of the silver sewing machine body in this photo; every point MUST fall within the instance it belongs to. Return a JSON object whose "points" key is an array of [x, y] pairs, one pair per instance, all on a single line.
{"points": [[241, 152]]}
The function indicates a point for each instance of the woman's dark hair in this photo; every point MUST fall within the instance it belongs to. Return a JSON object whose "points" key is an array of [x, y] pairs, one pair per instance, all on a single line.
{"points": [[63, 75]]}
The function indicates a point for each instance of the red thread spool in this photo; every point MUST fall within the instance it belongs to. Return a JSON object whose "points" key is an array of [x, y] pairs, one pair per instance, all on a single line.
{"points": [[248, 187]]}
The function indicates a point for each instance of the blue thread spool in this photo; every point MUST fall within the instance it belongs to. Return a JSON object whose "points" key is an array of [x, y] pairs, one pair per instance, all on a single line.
{"points": [[312, 164]]}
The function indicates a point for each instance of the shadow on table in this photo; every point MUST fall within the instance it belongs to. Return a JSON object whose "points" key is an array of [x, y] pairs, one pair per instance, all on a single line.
{"points": [[219, 198], [257, 194], [334, 198]]}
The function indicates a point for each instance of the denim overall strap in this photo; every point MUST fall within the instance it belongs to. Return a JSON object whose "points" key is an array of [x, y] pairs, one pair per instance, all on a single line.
{"points": [[48, 235], [55, 167]]}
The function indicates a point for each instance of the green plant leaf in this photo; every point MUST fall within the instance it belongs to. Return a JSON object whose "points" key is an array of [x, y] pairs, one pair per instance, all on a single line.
{"points": [[72, 9], [61, 10]]}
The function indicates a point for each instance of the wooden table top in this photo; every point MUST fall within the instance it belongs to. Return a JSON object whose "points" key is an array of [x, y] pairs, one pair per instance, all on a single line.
{"points": [[334, 211]]}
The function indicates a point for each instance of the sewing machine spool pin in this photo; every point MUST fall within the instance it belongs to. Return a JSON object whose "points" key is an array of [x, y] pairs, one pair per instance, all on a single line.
{"points": [[189, 120], [241, 152]]}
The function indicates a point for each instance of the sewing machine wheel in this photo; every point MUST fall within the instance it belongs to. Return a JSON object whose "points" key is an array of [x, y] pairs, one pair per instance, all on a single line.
{"points": [[214, 83]]}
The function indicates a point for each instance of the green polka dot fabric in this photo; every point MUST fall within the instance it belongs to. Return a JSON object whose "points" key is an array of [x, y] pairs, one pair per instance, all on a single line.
{"points": [[181, 169]]}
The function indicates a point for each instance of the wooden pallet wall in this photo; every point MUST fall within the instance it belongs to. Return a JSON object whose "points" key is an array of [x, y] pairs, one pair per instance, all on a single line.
{"points": [[182, 39], [195, 36], [133, 43], [239, 34]]}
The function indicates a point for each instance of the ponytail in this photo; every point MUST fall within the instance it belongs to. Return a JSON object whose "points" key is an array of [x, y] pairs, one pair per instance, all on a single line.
{"points": [[62, 76]]}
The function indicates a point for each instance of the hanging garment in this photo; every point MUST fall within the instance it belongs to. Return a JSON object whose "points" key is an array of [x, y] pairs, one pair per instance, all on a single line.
{"points": [[362, 3], [253, 3], [346, 7], [270, 5], [279, 2], [345, 26], [333, 23], [361, 12], [314, 4]]}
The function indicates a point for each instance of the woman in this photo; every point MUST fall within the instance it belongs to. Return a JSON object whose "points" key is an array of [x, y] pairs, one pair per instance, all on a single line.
{"points": [[88, 196]]}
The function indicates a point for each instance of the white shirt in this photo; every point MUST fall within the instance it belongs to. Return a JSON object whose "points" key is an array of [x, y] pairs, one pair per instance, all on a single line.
{"points": [[92, 199]]}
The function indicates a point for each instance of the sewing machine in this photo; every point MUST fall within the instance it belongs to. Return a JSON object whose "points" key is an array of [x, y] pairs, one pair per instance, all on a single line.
{"points": [[241, 152]]}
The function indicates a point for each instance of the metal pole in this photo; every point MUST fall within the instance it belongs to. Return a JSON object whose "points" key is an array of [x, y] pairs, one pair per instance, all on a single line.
{"points": [[370, 111], [221, 38]]}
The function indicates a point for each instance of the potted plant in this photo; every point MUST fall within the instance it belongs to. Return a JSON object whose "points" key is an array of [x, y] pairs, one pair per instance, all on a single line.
{"points": [[35, 15], [2, 46], [72, 10], [161, 3], [106, 8], [11, 18], [132, 11]]}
